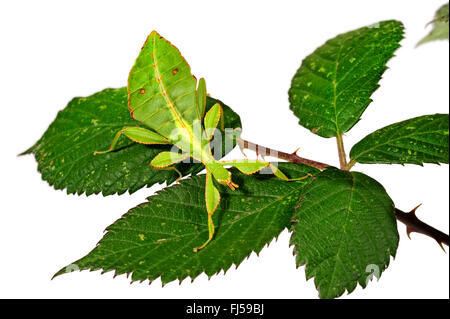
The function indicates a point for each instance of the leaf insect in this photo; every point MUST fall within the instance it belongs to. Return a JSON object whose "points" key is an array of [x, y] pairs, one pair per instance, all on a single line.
{"points": [[164, 96]]}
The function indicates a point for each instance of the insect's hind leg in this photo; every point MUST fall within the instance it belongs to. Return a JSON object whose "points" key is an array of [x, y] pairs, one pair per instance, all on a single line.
{"points": [[138, 135], [279, 174], [172, 168], [212, 198]]}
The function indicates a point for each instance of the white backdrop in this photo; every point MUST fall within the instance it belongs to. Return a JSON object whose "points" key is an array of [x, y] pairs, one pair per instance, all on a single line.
{"points": [[248, 52]]}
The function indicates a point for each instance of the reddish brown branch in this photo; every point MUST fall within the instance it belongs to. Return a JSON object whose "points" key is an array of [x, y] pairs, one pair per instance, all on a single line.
{"points": [[413, 224], [292, 157]]}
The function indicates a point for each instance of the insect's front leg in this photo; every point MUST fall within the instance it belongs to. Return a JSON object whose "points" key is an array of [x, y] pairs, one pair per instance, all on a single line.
{"points": [[212, 118], [221, 174], [138, 135]]}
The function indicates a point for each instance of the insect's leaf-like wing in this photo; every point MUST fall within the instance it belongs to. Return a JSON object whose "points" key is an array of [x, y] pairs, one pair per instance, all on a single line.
{"points": [[419, 140], [344, 231], [65, 152], [156, 238], [161, 88], [332, 87]]}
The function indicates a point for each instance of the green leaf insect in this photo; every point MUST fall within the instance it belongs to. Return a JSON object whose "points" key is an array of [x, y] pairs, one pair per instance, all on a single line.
{"points": [[165, 97]]}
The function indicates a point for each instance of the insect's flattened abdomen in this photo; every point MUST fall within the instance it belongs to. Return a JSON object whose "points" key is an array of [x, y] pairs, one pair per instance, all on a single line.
{"points": [[161, 87]]}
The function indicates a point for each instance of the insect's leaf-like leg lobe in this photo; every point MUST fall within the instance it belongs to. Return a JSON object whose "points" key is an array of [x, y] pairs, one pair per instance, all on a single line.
{"points": [[138, 135], [212, 199]]}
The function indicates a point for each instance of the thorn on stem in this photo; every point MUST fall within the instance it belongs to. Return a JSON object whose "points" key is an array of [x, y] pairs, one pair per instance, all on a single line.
{"points": [[413, 225], [413, 211]]}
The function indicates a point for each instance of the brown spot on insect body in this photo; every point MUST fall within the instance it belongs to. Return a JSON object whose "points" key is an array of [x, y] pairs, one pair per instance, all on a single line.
{"points": [[142, 91], [175, 71]]}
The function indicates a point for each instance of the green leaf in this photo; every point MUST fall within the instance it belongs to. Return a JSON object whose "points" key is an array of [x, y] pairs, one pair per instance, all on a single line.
{"points": [[65, 151], [162, 90], [419, 140], [344, 231], [333, 86], [440, 26], [156, 239]]}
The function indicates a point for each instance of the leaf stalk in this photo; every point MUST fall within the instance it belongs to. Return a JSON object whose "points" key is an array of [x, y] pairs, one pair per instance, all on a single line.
{"points": [[341, 151]]}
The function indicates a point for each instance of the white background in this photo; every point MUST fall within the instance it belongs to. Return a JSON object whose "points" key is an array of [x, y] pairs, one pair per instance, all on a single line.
{"points": [[248, 51]]}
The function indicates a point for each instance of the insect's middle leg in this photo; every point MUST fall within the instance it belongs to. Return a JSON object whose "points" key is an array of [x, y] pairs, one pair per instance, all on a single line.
{"points": [[165, 160]]}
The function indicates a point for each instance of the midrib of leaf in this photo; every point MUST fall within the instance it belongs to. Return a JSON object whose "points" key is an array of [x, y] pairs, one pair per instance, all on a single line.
{"points": [[278, 199], [81, 128], [402, 137], [334, 90], [242, 229], [352, 68], [412, 135], [334, 84], [362, 224], [337, 211], [65, 151], [169, 101], [329, 262], [319, 115], [343, 90], [220, 235], [333, 277]]}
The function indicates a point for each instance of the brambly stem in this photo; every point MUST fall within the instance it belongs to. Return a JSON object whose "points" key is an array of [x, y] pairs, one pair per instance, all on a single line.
{"points": [[290, 157], [413, 224]]}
